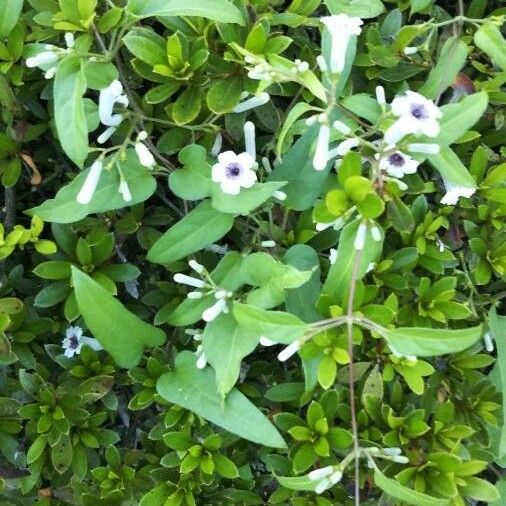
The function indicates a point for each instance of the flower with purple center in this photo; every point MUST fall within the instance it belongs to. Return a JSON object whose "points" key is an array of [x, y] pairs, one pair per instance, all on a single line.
{"points": [[234, 172], [398, 164], [74, 340], [416, 115]]}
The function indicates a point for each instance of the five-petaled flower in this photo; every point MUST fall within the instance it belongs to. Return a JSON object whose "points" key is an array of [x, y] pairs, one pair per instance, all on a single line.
{"points": [[398, 164], [234, 172], [74, 340], [416, 115]]}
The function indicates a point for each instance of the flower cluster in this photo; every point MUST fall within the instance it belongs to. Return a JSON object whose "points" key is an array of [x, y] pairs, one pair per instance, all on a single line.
{"points": [[205, 286], [48, 58]]}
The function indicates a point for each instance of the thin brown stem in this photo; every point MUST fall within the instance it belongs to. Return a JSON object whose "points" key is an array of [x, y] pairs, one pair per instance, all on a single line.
{"points": [[351, 375]]}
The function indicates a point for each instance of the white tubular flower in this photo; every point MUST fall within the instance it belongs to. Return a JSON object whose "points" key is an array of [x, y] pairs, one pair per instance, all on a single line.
{"points": [[332, 256], [392, 452], [336, 477], [322, 486], [376, 233], [265, 341], [301, 66], [380, 96], [217, 248], [194, 295], [49, 74], [341, 127], [321, 155], [359, 242], [341, 28], [268, 244], [336, 224], [125, 191], [417, 115], [346, 146], [398, 164], [322, 64], [319, 474], [198, 268], [221, 294], [489, 342], [42, 58], [278, 194], [290, 350], [183, 279], [90, 183], [454, 192], [409, 50], [215, 310], [440, 245], [400, 459], [426, 148], [252, 102], [218, 141], [74, 341], [146, 158], [249, 139], [108, 98], [234, 172], [201, 358], [69, 40], [106, 135]]}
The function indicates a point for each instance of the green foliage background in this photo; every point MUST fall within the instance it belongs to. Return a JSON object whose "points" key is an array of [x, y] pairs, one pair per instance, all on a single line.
{"points": [[137, 423]]}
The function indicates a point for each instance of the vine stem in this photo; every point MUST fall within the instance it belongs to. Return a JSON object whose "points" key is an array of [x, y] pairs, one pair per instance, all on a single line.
{"points": [[351, 376]]}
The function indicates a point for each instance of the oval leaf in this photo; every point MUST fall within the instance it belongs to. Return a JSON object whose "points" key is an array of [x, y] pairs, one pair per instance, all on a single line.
{"points": [[195, 389], [119, 331], [431, 342], [201, 227]]}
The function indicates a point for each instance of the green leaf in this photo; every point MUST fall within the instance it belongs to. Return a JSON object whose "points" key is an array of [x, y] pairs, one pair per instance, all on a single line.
{"points": [[480, 490], [225, 345], [297, 482], [125, 339], [224, 94], [359, 8], [9, 15], [301, 301], [222, 12], [304, 183], [498, 329], [195, 390], [448, 164], [459, 118], [69, 114], [491, 41], [451, 60], [397, 491], [204, 225], [61, 454], [146, 45], [338, 279], [419, 5], [275, 325], [247, 200], [65, 209], [295, 113], [187, 106], [193, 181], [431, 342]]}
